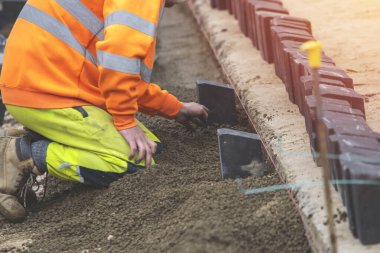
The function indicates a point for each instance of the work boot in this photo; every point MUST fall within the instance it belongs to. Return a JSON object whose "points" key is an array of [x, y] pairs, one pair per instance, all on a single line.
{"points": [[16, 166], [13, 132]]}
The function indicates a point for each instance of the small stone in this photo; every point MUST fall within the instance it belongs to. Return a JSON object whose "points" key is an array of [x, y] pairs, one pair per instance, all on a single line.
{"points": [[110, 237]]}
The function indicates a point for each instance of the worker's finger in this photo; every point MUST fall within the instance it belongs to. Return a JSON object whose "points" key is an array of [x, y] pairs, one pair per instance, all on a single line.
{"points": [[148, 160], [142, 151], [193, 126], [197, 122], [206, 109], [133, 147], [151, 150], [153, 146], [189, 126], [204, 115]]}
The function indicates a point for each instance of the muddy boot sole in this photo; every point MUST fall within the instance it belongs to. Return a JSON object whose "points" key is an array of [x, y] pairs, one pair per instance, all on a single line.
{"points": [[11, 209]]}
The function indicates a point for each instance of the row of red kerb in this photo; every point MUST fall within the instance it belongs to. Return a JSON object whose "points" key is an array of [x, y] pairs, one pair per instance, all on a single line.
{"points": [[353, 148]]}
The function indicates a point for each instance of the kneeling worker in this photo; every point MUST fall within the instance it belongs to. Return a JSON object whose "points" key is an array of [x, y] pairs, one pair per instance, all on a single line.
{"points": [[76, 73]]}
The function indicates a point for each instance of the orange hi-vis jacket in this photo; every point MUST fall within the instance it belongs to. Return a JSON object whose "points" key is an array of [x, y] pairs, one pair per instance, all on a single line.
{"points": [[66, 53]]}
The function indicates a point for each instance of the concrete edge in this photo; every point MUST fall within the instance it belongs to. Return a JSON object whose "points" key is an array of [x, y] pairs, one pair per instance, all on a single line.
{"points": [[279, 124]]}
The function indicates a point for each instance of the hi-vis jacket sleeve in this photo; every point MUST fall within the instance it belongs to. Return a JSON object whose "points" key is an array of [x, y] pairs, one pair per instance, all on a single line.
{"points": [[125, 60]]}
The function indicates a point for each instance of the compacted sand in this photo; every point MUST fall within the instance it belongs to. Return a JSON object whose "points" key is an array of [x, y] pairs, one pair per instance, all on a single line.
{"points": [[181, 205]]}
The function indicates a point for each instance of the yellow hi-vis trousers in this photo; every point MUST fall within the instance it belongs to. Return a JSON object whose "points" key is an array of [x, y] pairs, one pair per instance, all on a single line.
{"points": [[85, 146]]}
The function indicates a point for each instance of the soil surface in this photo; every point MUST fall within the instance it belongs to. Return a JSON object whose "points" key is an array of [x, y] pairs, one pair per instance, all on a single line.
{"points": [[181, 205]]}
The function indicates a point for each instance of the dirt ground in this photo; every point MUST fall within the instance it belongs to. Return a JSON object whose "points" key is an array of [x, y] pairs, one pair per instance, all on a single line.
{"points": [[181, 205]]}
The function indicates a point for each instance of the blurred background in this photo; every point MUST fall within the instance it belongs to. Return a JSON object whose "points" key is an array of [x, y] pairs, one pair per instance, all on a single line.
{"points": [[9, 10]]}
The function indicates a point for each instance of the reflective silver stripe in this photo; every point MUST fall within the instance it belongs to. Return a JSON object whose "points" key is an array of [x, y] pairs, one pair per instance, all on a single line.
{"points": [[131, 20], [83, 15], [146, 73], [77, 170], [89, 56], [100, 34], [124, 64], [56, 28], [64, 165], [118, 63]]}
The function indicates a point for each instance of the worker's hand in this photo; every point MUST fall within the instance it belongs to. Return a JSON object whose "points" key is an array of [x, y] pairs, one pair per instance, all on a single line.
{"points": [[140, 144], [192, 115]]}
